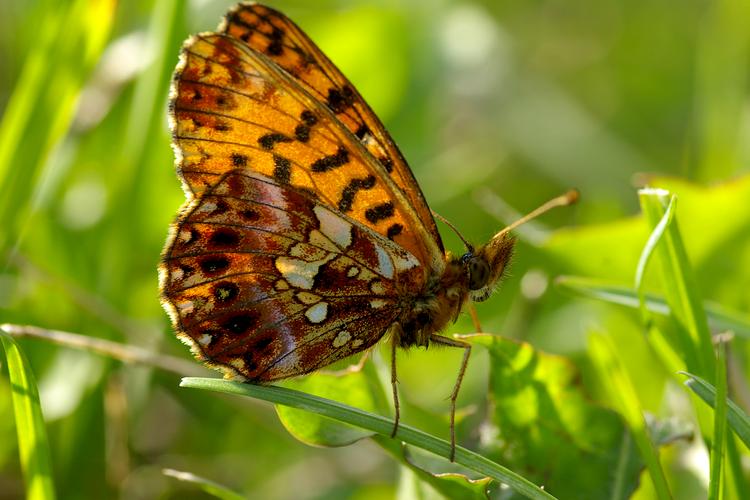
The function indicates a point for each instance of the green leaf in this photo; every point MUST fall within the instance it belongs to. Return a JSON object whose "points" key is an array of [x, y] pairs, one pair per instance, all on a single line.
{"points": [[547, 428], [30, 427], [450, 484], [355, 387], [375, 423]]}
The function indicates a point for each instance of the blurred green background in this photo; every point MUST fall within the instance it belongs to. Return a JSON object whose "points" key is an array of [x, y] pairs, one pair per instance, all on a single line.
{"points": [[498, 106]]}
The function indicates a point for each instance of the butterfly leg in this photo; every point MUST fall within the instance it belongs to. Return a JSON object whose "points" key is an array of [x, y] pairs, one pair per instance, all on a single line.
{"points": [[446, 341], [394, 385]]}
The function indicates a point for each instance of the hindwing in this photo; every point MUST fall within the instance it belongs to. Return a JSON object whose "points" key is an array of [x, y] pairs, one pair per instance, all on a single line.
{"points": [[264, 281]]}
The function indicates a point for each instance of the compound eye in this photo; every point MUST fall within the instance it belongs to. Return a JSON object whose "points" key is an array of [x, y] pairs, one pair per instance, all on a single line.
{"points": [[479, 273]]}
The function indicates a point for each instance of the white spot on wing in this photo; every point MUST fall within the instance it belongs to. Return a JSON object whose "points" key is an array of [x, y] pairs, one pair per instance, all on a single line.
{"points": [[352, 272], [377, 303], [334, 227], [404, 261], [185, 307], [298, 272], [318, 312], [185, 236], [385, 265], [204, 339], [206, 207], [342, 338]]}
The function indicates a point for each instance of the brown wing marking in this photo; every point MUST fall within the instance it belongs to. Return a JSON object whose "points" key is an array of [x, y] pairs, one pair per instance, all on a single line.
{"points": [[264, 282]]}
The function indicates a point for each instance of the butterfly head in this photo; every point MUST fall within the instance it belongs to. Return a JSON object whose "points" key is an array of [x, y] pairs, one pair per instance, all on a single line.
{"points": [[486, 266]]}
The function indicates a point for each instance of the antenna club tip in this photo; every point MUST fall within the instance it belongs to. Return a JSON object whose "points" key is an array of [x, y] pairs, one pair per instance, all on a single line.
{"points": [[572, 196]]}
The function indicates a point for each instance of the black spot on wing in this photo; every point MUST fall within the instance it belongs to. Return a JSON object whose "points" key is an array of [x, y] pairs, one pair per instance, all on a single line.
{"points": [[226, 291], [347, 195], [394, 231], [308, 117], [387, 163], [240, 323], [268, 141], [282, 170], [341, 157], [339, 100], [302, 133], [379, 212], [362, 131], [276, 47], [224, 237], [239, 160], [214, 265], [250, 215]]}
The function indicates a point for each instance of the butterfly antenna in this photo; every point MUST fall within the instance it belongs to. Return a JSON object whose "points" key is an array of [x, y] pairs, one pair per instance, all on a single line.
{"points": [[445, 221], [560, 201]]}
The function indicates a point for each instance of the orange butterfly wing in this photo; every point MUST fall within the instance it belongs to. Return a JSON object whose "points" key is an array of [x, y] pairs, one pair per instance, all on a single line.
{"points": [[235, 107], [264, 282], [273, 34]]}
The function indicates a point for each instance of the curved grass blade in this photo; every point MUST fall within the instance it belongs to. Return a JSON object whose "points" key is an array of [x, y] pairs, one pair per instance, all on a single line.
{"points": [[738, 420], [679, 284], [648, 251], [615, 376], [210, 487], [376, 423], [719, 317], [33, 446]]}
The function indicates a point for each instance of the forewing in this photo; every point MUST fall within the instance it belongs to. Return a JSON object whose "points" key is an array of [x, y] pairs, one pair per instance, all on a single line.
{"points": [[265, 282], [276, 36], [232, 107]]}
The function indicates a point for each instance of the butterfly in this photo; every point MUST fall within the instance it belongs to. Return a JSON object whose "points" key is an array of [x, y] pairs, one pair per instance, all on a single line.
{"points": [[305, 237]]}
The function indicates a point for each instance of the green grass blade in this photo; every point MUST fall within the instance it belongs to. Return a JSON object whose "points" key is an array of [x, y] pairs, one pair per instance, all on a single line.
{"points": [[33, 446], [719, 317], [720, 425], [645, 258], [624, 395], [375, 423], [39, 112], [210, 487], [738, 420], [679, 286]]}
